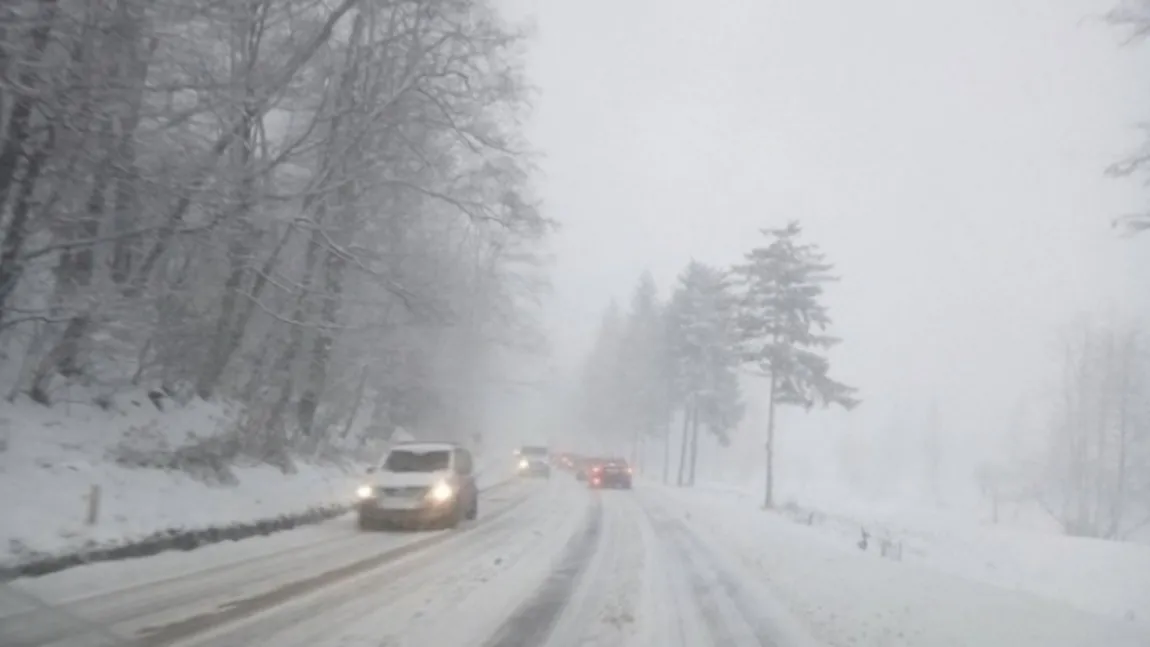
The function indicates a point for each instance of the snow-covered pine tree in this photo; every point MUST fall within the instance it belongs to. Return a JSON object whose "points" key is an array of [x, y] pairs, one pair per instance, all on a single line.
{"points": [[782, 328], [643, 377], [600, 400], [703, 347]]}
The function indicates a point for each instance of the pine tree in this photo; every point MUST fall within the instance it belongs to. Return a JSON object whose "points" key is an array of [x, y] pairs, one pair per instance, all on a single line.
{"points": [[705, 358], [643, 377], [782, 324], [600, 398]]}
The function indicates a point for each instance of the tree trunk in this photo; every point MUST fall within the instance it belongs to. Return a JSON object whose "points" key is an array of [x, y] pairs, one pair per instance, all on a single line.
{"points": [[355, 406], [20, 116], [1117, 500], [667, 432], [694, 445], [769, 492], [334, 263], [322, 343], [229, 333], [227, 337], [16, 146], [1101, 431], [125, 191], [56, 358], [683, 446]]}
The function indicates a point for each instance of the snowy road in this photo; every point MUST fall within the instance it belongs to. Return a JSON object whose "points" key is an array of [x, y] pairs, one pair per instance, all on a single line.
{"points": [[548, 564]]}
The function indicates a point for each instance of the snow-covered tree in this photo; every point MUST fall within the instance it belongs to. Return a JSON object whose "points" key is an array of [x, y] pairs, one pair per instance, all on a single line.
{"points": [[702, 346], [300, 206], [644, 378], [1133, 17], [782, 326], [1096, 469], [601, 400]]}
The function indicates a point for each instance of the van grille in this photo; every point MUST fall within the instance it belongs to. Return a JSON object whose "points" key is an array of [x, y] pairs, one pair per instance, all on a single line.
{"points": [[410, 492]]}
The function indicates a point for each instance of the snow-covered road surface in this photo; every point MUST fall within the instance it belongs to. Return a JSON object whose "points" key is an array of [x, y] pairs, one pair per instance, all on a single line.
{"points": [[548, 564]]}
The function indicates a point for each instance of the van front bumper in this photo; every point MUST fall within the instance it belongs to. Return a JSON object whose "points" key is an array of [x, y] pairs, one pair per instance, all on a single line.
{"points": [[421, 513]]}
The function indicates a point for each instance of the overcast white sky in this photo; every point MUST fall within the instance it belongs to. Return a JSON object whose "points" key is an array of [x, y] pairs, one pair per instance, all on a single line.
{"points": [[948, 156]]}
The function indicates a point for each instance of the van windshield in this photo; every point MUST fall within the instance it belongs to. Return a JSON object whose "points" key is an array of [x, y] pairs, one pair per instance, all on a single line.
{"points": [[533, 452], [406, 460]]}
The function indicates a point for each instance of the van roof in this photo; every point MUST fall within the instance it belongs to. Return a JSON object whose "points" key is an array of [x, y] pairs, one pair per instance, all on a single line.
{"points": [[425, 446]]}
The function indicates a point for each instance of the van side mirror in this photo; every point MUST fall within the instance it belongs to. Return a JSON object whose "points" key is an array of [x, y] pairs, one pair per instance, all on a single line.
{"points": [[370, 470]]}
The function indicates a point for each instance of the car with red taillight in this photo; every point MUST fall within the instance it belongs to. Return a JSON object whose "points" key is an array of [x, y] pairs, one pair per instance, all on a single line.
{"points": [[609, 473]]}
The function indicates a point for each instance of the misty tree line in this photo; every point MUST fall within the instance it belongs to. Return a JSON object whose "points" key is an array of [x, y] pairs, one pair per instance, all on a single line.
{"points": [[663, 371], [319, 209], [1092, 474], [1095, 476], [1090, 468]]}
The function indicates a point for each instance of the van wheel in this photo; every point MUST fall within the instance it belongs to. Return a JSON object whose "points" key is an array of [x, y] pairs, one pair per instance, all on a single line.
{"points": [[473, 511], [452, 520]]}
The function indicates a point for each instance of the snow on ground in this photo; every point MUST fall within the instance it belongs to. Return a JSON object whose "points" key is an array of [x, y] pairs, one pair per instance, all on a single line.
{"points": [[848, 597], [50, 459], [551, 563], [1105, 577]]}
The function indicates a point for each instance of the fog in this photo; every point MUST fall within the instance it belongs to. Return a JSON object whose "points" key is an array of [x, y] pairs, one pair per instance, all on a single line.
{"points": [[825, 322], [948, 157]]}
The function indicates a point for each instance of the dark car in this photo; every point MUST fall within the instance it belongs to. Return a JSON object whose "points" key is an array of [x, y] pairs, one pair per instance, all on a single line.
{"points": [[610, 473], [534, 461], [420, 484]]}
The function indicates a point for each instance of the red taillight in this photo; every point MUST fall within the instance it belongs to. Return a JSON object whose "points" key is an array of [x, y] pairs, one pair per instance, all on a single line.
{"points": [[596, 469], [630, 470], [595, 482]]}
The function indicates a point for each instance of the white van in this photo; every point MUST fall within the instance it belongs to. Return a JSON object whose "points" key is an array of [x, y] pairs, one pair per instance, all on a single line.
{"points": [[420, 484]]}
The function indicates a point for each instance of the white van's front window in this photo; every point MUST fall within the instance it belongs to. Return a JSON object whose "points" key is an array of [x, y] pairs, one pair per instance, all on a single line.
{"points": [[404, 460]]}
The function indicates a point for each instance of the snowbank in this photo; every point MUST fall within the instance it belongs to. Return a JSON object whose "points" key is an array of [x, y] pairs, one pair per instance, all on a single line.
{"points": [[154, 494], [1111, 579], [52, 459]]}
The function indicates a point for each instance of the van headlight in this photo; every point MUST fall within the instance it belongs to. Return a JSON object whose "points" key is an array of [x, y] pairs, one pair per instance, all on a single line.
{"points": [[441, 492], [364, 492], [523, 464]]}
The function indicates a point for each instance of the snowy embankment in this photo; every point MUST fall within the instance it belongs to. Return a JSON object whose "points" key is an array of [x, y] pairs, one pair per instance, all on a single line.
{"points": [[152, 493], [1106, 578]]}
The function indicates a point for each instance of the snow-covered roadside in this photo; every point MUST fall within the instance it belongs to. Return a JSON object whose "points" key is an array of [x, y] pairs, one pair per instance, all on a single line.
{"points": [[51, 460], [1104, 577], [847, 597]]}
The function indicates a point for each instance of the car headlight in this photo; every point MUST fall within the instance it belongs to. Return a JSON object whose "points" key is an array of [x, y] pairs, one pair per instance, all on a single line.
{"points": [[441, 492], [364, 491], [523, 464]]}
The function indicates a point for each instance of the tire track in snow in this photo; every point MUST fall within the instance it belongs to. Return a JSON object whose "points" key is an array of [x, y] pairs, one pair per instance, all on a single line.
{"points": [[353, 611], [728, 615], [202, 591], [668, 613], [465, 598], [384, 606], [531, 624], [603, 610], [126, 603], [743, 605], [421, 551]]}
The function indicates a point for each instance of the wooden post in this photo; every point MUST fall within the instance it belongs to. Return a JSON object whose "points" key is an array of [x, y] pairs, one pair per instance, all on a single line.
{"points": [[93, 505]]}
